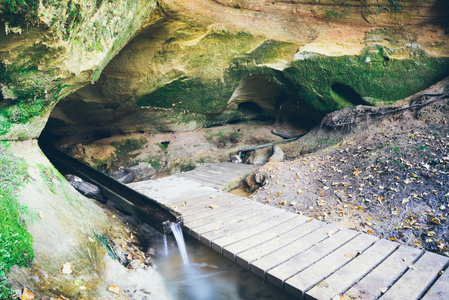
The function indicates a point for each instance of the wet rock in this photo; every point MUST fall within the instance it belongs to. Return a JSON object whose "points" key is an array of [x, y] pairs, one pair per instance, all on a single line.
{"points": [[140, 172], [124, 175], [259, 157], [256, 180], [236, 159], [87, 189], [278, 154]]}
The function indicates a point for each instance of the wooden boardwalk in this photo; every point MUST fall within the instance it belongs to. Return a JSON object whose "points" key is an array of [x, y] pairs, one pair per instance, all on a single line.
{"points": [[307, 258]]}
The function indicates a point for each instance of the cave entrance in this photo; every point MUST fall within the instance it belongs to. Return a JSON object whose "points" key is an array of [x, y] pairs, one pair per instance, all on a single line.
{"points": [[343, 92], [257, 94]]}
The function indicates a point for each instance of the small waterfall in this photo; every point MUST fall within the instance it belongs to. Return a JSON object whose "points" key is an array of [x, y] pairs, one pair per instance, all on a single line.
{"points": [[165, 245], [177, 232]]}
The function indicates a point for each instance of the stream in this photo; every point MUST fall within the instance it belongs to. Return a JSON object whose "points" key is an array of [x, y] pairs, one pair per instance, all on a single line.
{"points": [[209, 275]]}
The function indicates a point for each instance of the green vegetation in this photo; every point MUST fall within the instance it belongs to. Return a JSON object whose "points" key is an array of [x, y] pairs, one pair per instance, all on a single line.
{"points": [[106, 242], [124, 147], [49, 175], [155, 162], [209, 96], [371, 75], [188, 167], [17, 12], [394, 5], [331, 14], [15, 242]]}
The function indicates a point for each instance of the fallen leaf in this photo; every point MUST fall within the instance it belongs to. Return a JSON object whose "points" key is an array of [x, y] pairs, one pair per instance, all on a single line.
{"points": [[212, 206], [405, 200], [66, 268], [26, 294], [414, 267], [356, 173], [61, 297], [114, 289]]}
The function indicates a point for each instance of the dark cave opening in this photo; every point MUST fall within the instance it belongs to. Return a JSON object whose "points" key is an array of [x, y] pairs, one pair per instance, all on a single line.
{"points": [[348, 94]]}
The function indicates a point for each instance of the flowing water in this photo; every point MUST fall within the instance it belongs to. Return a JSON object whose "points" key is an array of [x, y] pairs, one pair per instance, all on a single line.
{"points": [[208, 275], [165, 244], [177, 232]]}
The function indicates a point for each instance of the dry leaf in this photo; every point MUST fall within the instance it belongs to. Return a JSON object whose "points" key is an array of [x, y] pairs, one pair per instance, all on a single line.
{"points": [[114, 289], [26, 294], [66, 268]]}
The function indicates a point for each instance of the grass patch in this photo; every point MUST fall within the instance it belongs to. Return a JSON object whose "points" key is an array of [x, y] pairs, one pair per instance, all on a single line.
{"points": [[15, 241]]}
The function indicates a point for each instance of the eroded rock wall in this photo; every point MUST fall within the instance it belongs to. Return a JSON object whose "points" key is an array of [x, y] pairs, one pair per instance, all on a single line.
{"points": [[196, 62], [49, 49]]}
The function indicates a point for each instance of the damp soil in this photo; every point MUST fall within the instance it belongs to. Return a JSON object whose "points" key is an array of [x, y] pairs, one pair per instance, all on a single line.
{"points": [[391, 180]]}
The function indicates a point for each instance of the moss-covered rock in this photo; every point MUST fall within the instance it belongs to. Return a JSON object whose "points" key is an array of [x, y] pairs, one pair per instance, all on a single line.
{"points": [[49, 49]]}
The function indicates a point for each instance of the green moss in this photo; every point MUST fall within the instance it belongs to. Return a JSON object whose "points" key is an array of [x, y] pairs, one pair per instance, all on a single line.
{"points": [[155, 161], [123, 148], [15, 242], [272, 51], [30, 89], [17, 12], [371, 75], [192, 94], [332, 14], [49, 176]]}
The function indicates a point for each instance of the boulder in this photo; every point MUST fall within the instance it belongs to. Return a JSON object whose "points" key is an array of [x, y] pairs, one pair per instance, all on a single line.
{"points": [[140, 172], [278, 154]]}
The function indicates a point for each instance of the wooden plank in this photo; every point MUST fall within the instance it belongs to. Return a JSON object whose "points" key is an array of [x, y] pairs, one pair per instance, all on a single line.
{"points": [[219, 243], [242, 224], [381, 278], [418, 278], [162, 189], [307, 278], [267, 262], [218, 215], [247, 257], [189, 206], [231, 250], [194, 209], [209, 178], [194, 197], [206, 201], [345, 277], [228, 218], [296, 264], [440, 289]]}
